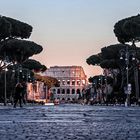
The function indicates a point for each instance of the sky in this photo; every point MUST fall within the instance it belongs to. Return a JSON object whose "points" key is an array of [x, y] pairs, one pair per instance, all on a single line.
{"points": [[70, 31]]}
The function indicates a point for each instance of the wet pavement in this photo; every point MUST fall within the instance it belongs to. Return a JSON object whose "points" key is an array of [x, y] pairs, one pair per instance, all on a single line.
{"points": [[70, 122]]}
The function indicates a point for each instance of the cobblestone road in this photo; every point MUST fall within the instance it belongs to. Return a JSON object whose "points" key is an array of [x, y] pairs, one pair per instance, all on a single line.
{"points": [[73, 122]]}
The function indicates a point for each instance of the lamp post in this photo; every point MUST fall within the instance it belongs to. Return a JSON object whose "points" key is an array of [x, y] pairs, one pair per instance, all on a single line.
{"points": [[6, 60], [5, 87], [127, 55], [106, 86], [13, 77], [95, 88], [6, 63], [101, 88]]}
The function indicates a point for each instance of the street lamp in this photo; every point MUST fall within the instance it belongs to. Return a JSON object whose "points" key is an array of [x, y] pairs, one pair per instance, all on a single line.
{"points": [[127, 55], [5, 87], [106, 86], [6, 61], [101, 88], [95, 87]]}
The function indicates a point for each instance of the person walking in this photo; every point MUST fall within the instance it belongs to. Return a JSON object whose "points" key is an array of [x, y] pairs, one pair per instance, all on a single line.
{"points": [[18, 94], [24, 92]]}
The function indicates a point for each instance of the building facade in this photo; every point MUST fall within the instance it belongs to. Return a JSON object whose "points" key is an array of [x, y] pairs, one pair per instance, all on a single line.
{"points": [[36, 91], [72, 80]]}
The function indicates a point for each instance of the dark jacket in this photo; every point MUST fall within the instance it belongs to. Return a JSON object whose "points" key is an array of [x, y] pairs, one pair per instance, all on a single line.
{"points": [[18, 91]]}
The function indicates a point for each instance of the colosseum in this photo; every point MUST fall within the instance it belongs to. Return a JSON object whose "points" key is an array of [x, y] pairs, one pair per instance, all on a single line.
{"points": [[72, 80]]}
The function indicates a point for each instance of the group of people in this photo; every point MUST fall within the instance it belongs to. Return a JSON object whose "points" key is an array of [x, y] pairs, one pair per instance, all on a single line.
{"points": [[94, 95], [20, 92]]}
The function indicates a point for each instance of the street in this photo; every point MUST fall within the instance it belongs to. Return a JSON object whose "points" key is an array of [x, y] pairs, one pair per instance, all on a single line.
{"points": [[69, 121]]}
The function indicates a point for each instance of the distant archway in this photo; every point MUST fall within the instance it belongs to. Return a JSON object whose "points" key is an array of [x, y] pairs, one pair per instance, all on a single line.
{"points": [[68, 91], [54, 91], [63, 91], [73, 91], [78, 91], [73, 99], [58, 91]]}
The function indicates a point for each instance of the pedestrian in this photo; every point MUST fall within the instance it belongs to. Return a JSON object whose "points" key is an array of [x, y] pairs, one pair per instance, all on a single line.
{"points": [[24, 92], [18, 94]]}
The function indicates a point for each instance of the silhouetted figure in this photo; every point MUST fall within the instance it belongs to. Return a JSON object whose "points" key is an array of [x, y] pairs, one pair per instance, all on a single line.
{"points": [[24, 92], [18, 94]]}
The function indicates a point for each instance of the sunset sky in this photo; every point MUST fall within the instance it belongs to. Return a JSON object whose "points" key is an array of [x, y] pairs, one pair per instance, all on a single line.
{"points": [[70, 30]]}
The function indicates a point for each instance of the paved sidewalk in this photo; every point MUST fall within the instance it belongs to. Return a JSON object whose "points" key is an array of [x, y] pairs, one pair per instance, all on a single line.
{"points": [[70, 121]]}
